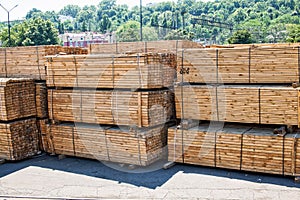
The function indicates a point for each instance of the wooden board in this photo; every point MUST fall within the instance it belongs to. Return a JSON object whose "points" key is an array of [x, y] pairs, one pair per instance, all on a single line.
{"points": [[235, 146], [140, 147], [143, 47], [29, 62], [111, 107], [238, 103], [136, 71], [19, 139], [41, 100], [17, 98], [263, 64], [44, 144]]}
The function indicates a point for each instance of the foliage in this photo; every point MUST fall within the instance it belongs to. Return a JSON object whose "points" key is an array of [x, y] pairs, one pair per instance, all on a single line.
{"points": [[293, 33], [35, 31], [265, 20], [241, 37]]}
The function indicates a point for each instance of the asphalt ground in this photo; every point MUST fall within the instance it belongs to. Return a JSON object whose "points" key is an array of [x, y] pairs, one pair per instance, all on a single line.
{"points": [[48, 177]]}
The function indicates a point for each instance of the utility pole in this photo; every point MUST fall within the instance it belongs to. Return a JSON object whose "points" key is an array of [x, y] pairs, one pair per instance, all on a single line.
{"points": [[141, 20], [8, 22]]}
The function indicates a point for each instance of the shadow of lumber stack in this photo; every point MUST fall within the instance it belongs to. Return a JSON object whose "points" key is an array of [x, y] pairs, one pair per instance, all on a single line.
{"points": [[243, 93], [114, 104]]}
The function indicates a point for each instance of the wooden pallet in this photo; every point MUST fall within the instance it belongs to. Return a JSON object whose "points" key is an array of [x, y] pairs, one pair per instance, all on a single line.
{"points": [[238, 103], [41, 100], [18, 139], [239, 147], [17, 98], [265, 64], [29, 62], [112, 107], [136, 71], [143, 47], [139, 147]]}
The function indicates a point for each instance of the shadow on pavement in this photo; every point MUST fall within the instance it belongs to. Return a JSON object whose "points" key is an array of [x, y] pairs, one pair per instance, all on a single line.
{"points": [[150, 180]]}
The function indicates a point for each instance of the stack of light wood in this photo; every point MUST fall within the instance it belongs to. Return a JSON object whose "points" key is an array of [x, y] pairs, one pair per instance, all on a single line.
{"points": [[238, 103], [17, 98], [143, 47], [116, 144], [258, 64], [236, 147], [18, 137], [111, 107], [44, 137], [29, 62], [41, 100], [140, 71]]}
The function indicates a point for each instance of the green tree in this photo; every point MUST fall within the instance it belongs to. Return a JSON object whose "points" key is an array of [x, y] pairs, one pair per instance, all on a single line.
{"points": [[128, 32], [105, 24], [70, 10], [293, 33], [35, 31], [241, 37]]}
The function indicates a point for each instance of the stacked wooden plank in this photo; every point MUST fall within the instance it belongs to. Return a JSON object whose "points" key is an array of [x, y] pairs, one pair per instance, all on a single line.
{"points": [[262, 64], [41, 100], [143, 47], [113, 107], [29, 62], [18, 139], [238, 103], [116, 144], [233, 146], [18, 130], [143, 71], [17, 98]]}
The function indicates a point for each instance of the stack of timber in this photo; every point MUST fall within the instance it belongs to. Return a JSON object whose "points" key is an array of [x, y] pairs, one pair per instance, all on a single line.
{"points": [[17, 98], [143, 47], [128, 95], [41, 100], [19, 136], [255, 64], [239, 147], [116, 144], [111, 107], [18, 139], [29, 62], [238, 103], [140, 71]]}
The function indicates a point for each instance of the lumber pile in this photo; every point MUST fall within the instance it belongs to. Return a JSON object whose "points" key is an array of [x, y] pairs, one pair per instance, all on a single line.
{"points": [[29, 62], [18, 139], [254, 64], [116, 144], [238, 103], [140, 71], [112, 107], [240, 147], [41, 100], [17, 98], [142, 47]]}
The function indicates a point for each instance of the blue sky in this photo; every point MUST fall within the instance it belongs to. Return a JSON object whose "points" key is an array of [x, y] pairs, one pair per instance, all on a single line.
{"points": [[25, 5]]}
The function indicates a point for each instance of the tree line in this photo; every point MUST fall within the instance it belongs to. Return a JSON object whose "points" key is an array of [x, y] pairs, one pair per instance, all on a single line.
{"points": [[221, 21]]}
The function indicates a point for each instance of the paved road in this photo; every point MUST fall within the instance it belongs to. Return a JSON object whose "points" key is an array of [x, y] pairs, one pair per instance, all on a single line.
{"points": [[47, 177]]}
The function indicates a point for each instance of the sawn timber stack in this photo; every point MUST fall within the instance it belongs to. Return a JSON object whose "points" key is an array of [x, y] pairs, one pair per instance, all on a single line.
{"points": [[133, 71], [29, 62], [111, 107]]}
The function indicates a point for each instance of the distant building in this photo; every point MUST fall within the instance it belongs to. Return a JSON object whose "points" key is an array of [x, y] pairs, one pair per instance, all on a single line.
{"points": [[84, 39]]}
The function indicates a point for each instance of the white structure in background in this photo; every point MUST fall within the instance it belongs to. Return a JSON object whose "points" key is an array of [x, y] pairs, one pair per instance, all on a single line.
{"points": [[84, 39]]}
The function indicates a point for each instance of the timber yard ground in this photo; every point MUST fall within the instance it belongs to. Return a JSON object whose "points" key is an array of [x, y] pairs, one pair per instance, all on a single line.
{"points": [[47, 177]]}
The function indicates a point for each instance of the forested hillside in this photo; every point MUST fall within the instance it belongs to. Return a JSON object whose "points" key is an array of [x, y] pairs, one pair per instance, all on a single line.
{"points": [[265, 20]]}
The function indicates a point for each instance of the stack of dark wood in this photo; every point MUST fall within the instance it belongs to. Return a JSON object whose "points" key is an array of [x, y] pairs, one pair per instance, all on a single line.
{"points": [[19, 134], [246, 85], [111, 107]]}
